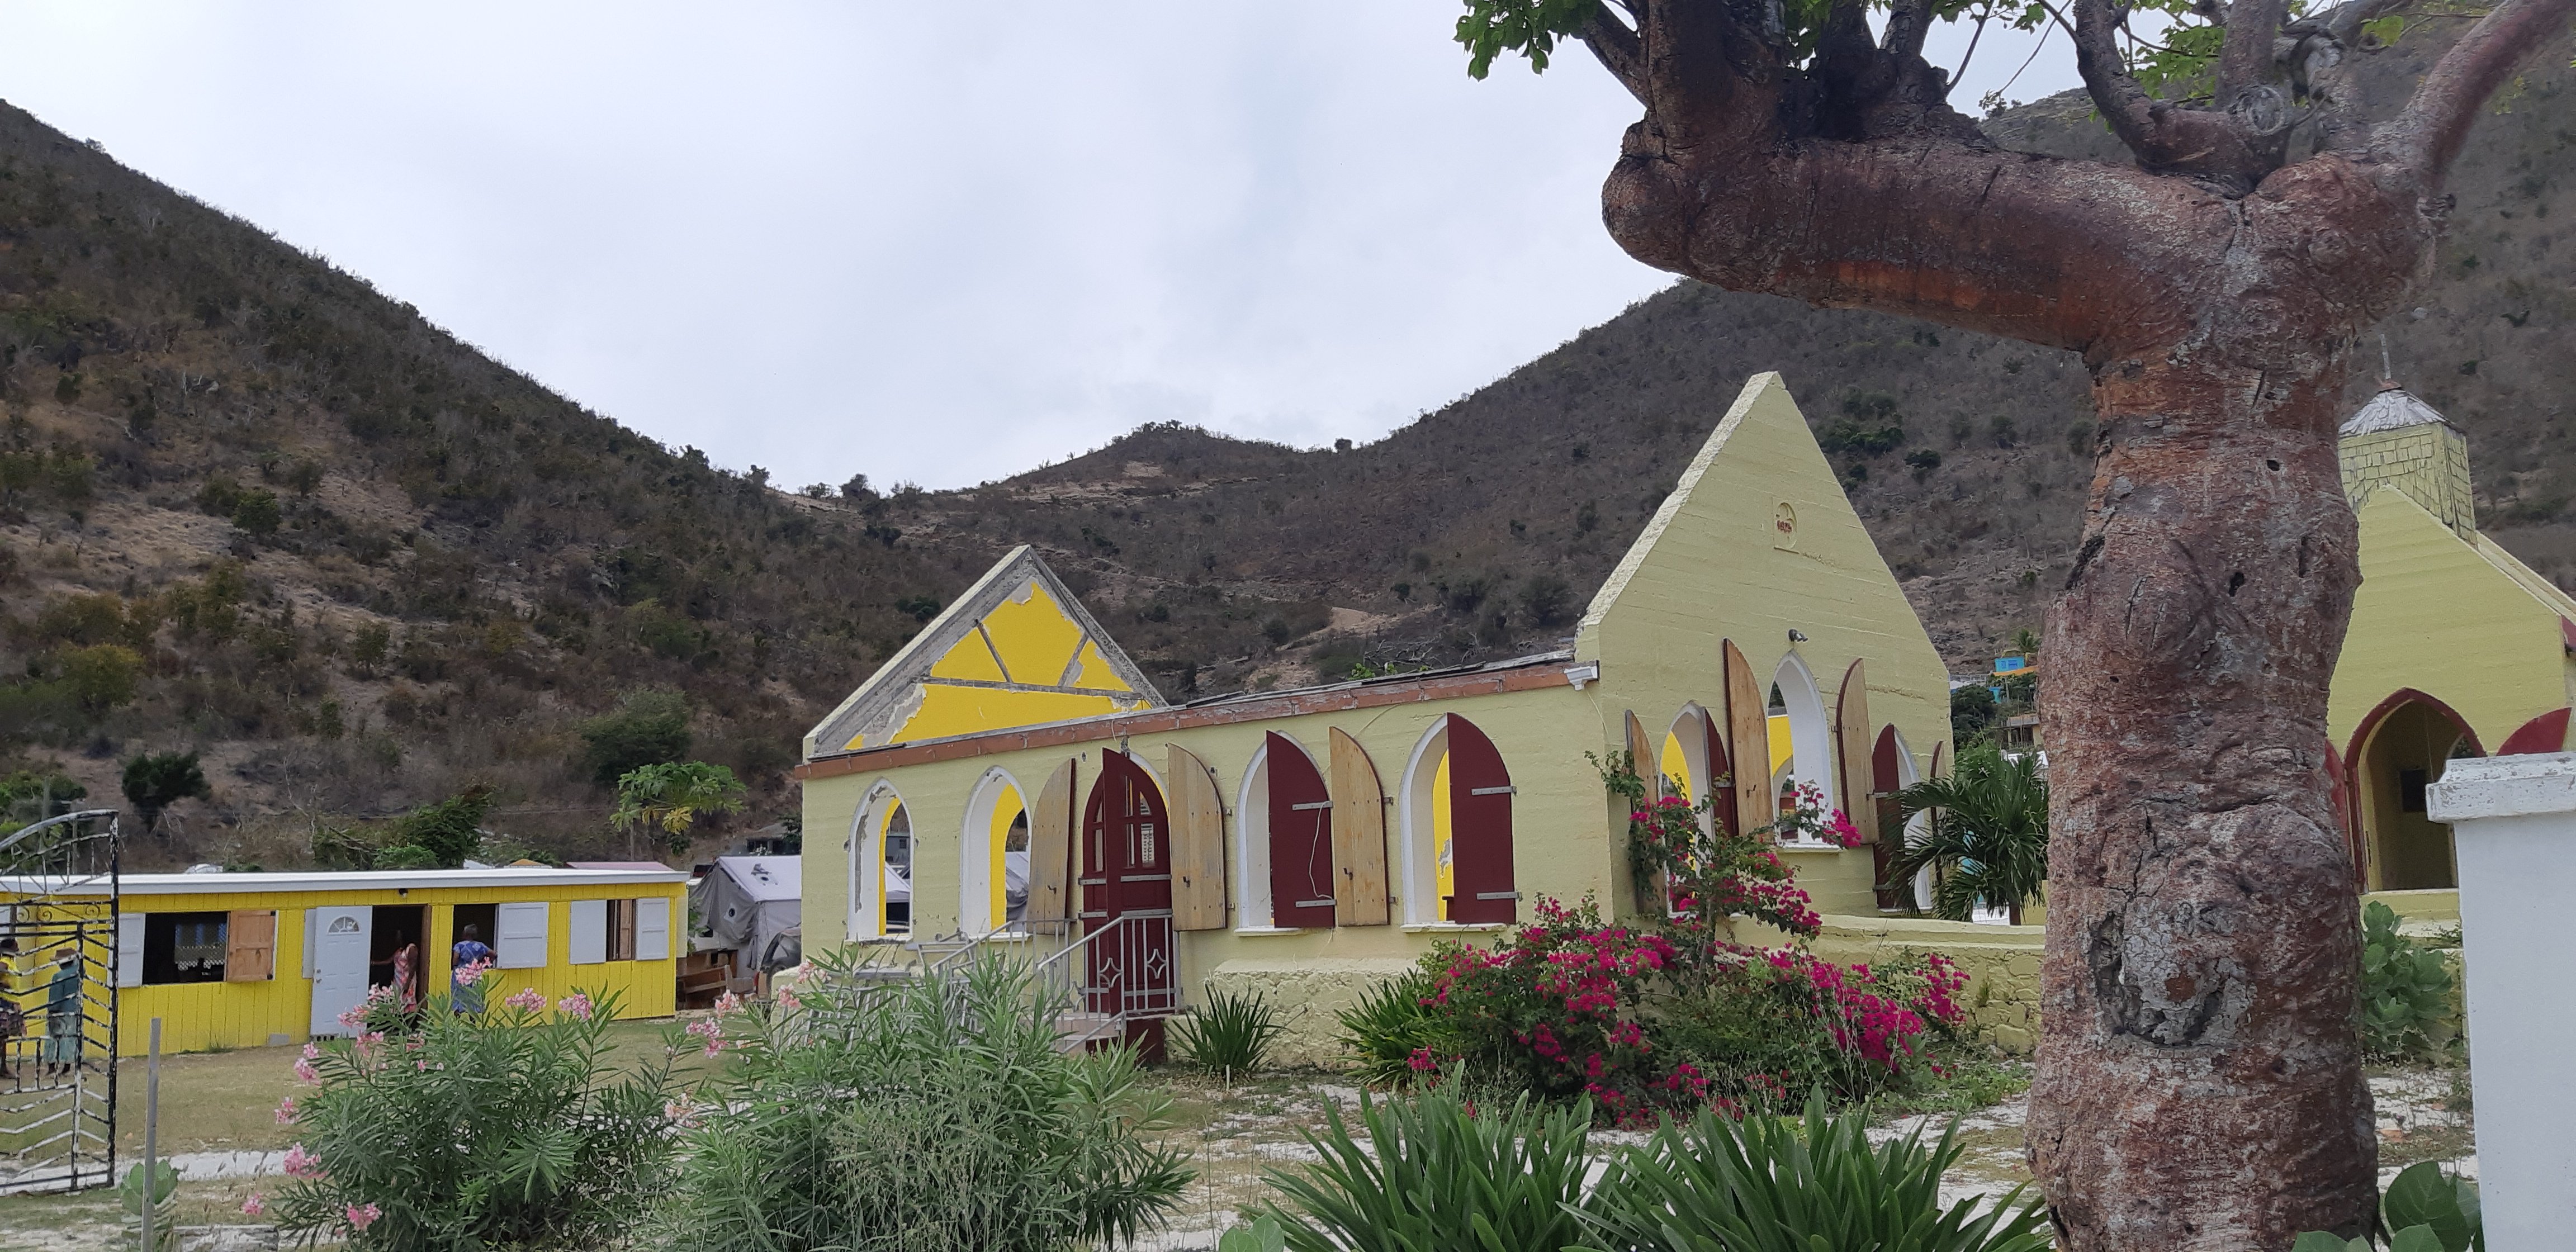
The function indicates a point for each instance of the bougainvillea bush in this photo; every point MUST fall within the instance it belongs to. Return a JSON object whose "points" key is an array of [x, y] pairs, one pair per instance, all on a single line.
{"points": [[506, 1128]]}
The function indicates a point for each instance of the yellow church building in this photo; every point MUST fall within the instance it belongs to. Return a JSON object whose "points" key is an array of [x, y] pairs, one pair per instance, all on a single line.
{"points": [[1019, 782], [2455, 649]]}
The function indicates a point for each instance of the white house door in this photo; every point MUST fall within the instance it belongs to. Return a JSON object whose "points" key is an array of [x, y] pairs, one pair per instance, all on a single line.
{"points": [[340, 938]]}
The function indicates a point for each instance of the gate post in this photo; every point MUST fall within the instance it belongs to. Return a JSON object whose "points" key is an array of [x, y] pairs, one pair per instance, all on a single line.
{"points": [[2513, 824]]}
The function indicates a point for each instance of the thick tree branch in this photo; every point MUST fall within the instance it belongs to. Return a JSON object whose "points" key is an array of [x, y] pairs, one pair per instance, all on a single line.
{"points": [[2426, 137], [1618, 49], [2245, 56], [2164, 136], [1909, 22]]}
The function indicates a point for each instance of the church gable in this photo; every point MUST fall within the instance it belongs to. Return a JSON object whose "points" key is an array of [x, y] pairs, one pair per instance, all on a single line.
{"points": [[1017, 649]]}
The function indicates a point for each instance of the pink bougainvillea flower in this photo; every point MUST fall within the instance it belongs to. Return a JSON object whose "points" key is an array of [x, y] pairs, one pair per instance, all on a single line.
{"points": [[254, 1206], [362, 1216], [575, 1005]]}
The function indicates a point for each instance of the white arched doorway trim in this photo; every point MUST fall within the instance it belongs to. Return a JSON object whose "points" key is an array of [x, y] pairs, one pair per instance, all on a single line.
{"points": [[1689, 735], [1811, 734], [866, 862], [1415, 800], [982, 879]]}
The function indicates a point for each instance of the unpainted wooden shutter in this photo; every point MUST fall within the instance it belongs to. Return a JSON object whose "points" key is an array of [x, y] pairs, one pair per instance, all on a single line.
{"points": [[1748, 738], [519, 934], [1359, 835], [1647, 757], [250, 945], [1301, 838], [1852, 747], [1480, 828], [129, 949], [1198, 843], [1051, 849], [621, 930], [653, 928]]}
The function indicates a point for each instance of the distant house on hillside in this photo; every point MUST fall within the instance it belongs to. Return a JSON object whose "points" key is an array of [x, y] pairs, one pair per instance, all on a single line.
{"points": [[2456, 648], [1310, 842]]}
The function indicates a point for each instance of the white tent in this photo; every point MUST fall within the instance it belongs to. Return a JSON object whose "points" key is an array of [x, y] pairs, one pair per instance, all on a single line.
{"points": [[747, 900]]}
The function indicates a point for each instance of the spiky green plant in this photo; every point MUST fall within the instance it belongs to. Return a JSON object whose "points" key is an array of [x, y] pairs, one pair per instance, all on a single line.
{"points": [[1796, 1184], [1387, 1025], [1436, 1176], [1230, 1032]]}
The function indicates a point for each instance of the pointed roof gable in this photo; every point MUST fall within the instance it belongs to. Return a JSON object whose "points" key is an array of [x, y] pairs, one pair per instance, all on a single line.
{"points": [[1017, 649]]}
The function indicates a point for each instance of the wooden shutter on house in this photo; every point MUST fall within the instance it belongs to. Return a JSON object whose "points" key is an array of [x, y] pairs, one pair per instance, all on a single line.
{"points": [[1852, 750], [1301, 837], [520, 938], [1940, 761], [1886, 776], [1643, 755], [1480, 828], [1721, 774], [1748, 736], [1198, 843], [129, 949], [653, 928], [589, 935], [1051, 849], [250, 945], [1359, 835], [621, 930]]}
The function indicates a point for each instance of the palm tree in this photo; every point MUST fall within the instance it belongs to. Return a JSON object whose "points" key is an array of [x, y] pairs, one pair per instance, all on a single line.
{"points": [[673, 795], [1987, 838]]}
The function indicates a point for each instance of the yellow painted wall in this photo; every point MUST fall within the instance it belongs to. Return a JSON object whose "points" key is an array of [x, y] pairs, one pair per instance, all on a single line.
{"points": [[1714, 565], [2435, 614], [198, 1016]]}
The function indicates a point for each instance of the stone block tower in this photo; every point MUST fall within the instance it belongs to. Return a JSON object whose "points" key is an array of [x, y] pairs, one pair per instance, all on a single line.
{"points": [[2402, 442]]}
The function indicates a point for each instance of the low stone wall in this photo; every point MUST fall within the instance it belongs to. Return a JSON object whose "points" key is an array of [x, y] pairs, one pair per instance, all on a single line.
{"points": [[1309, 996], [2001, 962]]}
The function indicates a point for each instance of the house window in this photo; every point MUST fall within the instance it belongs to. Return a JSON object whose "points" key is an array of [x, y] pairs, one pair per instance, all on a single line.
{"points": [[1458, 817], [620, 930], [184, 947]]}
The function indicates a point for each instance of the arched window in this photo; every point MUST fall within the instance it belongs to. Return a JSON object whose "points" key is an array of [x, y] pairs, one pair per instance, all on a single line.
{"points": [[1693, 757], [1809, 757], [993, 868], [880, 866], [1285, 840], [1457, 812]]}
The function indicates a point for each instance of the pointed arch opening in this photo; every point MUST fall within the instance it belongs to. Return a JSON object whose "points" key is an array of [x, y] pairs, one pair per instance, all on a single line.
{"points": [[880, 866], [1457, 815], [1284, 848], [2400, 749], [1804, 755], [993, 857]]}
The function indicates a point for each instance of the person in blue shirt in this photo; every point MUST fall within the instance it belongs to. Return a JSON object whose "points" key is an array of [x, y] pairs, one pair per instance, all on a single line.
{"points": [[470, 950]]}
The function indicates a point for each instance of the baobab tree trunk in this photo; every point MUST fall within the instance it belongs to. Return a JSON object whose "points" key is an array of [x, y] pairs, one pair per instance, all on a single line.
{"points": [[2200, 1081]]}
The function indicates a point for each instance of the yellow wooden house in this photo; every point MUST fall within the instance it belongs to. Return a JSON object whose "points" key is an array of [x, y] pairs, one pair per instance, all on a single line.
{"points": [[1026, 786], [252, 959]]}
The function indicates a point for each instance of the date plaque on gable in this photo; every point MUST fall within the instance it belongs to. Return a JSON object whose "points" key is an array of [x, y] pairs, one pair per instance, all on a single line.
{"points": [[1784, 527]]}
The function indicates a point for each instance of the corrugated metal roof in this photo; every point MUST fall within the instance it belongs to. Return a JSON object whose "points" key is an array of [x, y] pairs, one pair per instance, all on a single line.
{"points": [[2394, 408]]}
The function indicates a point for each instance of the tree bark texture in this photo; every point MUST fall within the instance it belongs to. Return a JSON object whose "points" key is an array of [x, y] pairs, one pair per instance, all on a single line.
{"points": [[2200, 1082]]}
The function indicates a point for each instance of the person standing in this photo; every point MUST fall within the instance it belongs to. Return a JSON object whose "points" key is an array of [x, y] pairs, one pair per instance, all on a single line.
{"points": [[13, 1018], [470, 957], [63, 1013]]}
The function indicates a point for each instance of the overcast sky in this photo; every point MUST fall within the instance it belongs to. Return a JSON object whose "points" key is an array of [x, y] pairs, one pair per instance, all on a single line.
{"points": [[933, 242]]}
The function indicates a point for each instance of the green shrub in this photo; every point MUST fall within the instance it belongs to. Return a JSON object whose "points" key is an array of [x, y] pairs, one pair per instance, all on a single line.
{"points": [[1388, 1026], [1805, 1184], [448, 831], [649, 727], [512, 1128], [1228, 1032], [2406, 1004], [1436, 1176], [103, 676], [919, 1117], [2423, 1210], [156, 780]]}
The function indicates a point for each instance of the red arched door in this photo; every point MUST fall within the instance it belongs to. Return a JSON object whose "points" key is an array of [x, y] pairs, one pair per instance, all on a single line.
{"points": [[1127, 872], [1480, 838], [1301, 838]]}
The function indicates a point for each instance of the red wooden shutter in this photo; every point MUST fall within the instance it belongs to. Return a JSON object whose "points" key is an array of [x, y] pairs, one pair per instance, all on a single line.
{"points": [[1301, 838], [1885, 781], [1480, 827]]}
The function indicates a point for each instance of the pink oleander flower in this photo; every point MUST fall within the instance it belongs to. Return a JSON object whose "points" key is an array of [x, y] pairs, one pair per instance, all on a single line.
{"points": [[286, 1111], [529, 1000], [575, 1005], [312, 1051], [683, 1111], [254, 1206], [304, 1071], [362, 1216], [787, 998], [469, 974], [728, 1004], [302, 1164]]}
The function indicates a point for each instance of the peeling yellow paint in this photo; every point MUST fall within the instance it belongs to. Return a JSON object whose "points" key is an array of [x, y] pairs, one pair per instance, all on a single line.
{"points": [[1095, 673]]}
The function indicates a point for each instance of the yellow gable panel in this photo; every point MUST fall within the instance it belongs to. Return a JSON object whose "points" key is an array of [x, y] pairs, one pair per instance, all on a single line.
{"points": [[971, 660], [949, 711], [1096, 674], [1035, 636]]}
